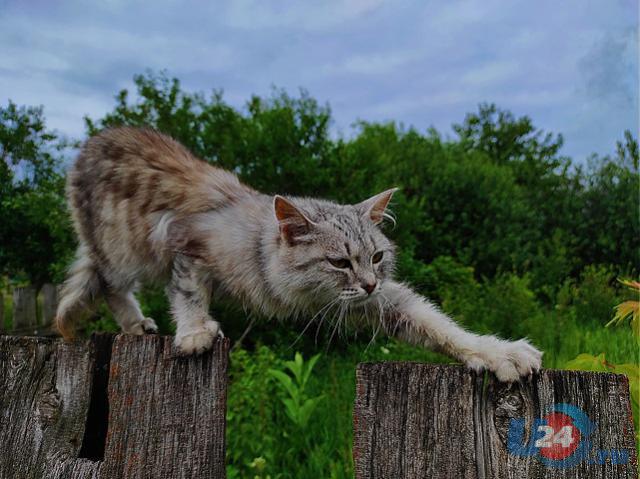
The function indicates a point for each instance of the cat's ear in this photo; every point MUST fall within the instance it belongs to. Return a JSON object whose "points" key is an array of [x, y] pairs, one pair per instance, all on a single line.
{"points": [[375, 208], [293, 223]]}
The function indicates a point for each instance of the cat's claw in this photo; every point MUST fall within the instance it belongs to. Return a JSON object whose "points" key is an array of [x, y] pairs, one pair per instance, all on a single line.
{"points": [[146, 326], [198, 340], [509, 361], [149, 326]]}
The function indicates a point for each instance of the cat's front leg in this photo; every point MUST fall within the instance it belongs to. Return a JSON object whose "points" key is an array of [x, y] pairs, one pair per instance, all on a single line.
{"points": [[189, 293], [413, 319]]}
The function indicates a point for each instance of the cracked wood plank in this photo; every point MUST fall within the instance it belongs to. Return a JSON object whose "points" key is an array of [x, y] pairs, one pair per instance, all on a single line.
{"points": [[166, 415], [418, 420], [44, 396]]}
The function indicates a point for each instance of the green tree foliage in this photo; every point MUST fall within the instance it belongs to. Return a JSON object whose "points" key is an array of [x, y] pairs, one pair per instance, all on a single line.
{"points": [[279, 144], [609, 226], [35, 239]]}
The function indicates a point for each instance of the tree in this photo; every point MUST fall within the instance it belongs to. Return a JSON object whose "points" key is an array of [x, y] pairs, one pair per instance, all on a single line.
{"points": [[35, 239], [609, 231], [280, 144]]}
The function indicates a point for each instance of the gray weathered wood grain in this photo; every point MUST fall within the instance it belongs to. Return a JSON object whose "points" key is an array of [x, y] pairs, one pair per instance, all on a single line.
{"points": [[49, 304], [417, 420], [166, 414], [44, 391], [24, 309]]}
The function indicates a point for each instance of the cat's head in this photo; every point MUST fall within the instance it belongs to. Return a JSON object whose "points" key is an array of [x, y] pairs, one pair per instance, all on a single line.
{"points": [[332, 251]]}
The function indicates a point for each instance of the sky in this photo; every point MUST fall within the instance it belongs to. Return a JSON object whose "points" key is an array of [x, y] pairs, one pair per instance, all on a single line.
{"points": [[571, 65]]}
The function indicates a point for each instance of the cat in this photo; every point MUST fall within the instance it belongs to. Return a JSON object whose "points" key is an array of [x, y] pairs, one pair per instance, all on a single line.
{"points": [[145, 208]]}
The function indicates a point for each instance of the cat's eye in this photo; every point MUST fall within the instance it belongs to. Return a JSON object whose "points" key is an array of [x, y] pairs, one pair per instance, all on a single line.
{"points": [[377, 257], [341, 263]]}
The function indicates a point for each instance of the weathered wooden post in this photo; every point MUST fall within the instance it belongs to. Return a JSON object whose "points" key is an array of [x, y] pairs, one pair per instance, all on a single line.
{"points": [[416, 420], [24, 309], [49, 305], [111, 408]]}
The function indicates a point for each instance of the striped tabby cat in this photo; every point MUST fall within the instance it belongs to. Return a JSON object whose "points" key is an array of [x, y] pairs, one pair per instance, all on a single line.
{"points": [[145, 208]]}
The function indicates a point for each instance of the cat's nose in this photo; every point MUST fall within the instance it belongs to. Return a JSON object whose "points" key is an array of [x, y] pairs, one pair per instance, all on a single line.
{"points": [[369, 287]]}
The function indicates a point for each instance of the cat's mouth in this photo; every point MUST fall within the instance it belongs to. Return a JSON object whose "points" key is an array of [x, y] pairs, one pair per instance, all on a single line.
{"points": [[362, 300], [355, 297]]}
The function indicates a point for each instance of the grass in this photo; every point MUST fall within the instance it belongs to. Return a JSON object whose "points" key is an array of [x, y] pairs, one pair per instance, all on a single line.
{"points": [[327, 440]]}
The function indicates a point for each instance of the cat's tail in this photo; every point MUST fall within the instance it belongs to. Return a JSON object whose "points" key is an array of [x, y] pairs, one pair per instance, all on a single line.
{"points": [[78, 294]]}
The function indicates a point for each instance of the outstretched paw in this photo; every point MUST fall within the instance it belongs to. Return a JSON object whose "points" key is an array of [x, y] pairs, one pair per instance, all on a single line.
{"points": [[508, 360], [198, 340]]}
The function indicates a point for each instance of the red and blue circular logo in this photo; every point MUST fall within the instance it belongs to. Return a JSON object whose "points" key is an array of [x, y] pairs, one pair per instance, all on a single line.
{"points": [[563, 438], [560, 438]]}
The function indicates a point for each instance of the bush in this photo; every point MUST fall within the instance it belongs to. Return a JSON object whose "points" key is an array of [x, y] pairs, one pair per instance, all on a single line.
{"points": [[505, 306], [591, 299]]}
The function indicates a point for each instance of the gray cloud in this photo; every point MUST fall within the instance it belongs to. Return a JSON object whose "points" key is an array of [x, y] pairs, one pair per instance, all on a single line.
{"points": [[571, 67], [611, 67]]}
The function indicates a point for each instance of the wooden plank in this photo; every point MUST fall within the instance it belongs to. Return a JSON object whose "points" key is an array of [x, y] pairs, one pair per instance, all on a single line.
{"points": [[44, 397], [418, 420], [397, 423], [603, 397], [49, 304], [166, 413], [24, 310]]}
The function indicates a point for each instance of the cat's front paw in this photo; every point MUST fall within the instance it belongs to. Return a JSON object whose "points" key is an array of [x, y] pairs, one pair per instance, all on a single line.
{"points": [[198, 340], [508, 360]]}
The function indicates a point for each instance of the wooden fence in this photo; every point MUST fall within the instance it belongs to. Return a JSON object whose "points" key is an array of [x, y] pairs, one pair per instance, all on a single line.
{"points": [[128, 407], [111, 407], [30, 313]]}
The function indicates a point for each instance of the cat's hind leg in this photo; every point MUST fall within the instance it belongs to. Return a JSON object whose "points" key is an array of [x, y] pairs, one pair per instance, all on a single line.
{"points": [[127, 313], [80, 291], [189, 293]]}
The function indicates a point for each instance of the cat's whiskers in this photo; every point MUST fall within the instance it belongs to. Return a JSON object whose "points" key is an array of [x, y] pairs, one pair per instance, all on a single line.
{"points": [[379, 326], [324, 315], [325, 307], [344, 306]]}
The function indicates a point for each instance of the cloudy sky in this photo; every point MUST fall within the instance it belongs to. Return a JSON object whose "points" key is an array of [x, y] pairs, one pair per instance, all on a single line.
{"points": [[571, 65]]}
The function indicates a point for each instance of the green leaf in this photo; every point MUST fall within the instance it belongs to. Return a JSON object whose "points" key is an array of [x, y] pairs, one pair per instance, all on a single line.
{"points": [[306, 410], [310, 365], [285, 381], [588, 362], [292, 409], [296, 369]]}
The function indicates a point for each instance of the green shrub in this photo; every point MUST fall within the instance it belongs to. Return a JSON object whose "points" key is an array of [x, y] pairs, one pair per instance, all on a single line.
{"points": [[505, 306], [592, 298], [298, 405]]}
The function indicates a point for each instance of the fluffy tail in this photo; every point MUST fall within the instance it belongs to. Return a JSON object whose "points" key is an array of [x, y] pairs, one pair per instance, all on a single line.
{"points": [[79, 292]]}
